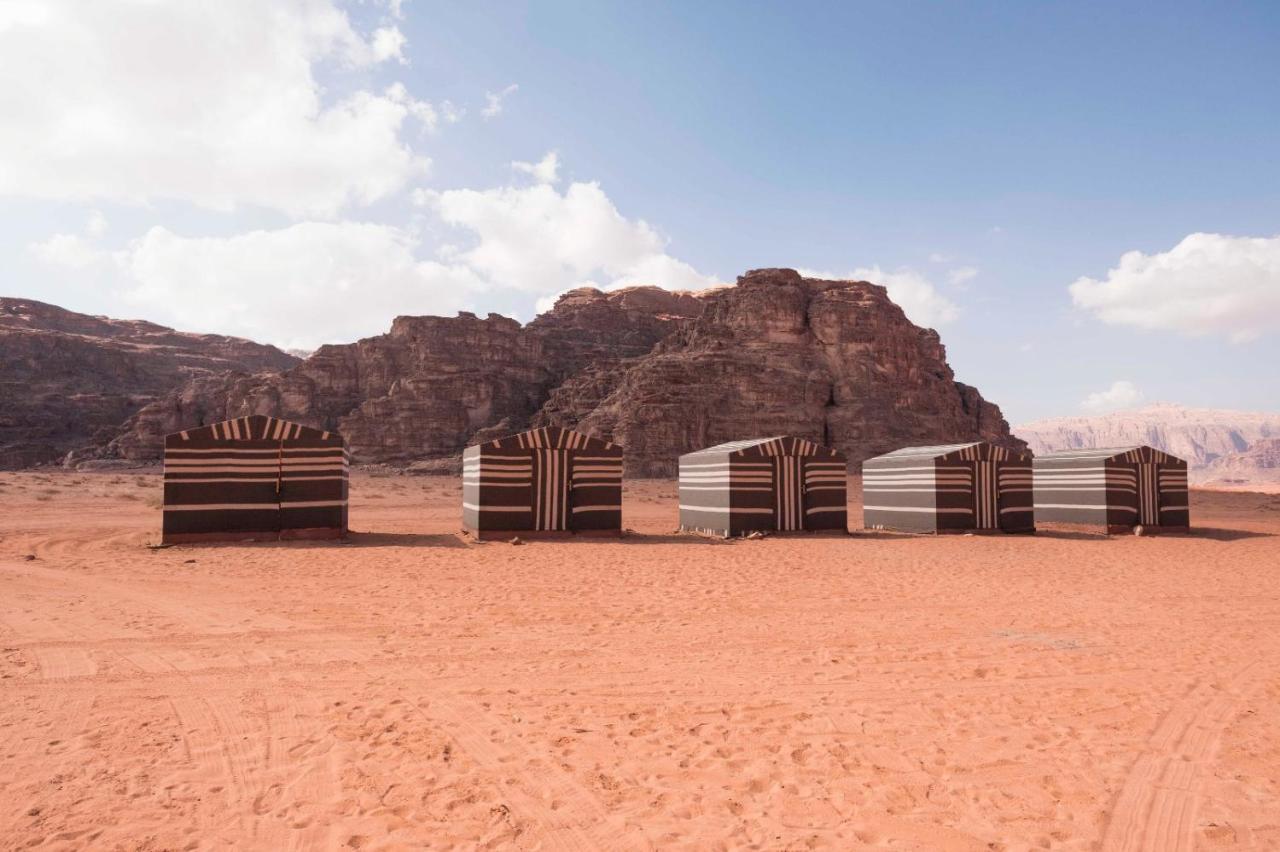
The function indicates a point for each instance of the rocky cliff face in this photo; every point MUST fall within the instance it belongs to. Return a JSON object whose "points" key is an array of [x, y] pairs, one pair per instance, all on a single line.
{"points": [[432, 384], [1199, 435], [68, 380], [660, 372], [832, 361]]}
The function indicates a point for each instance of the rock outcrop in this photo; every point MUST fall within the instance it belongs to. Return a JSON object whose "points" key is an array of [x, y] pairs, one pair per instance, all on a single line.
{"points": [[1199, 435], [779, 354], [68, 380], [432, 384], [659, 372]]}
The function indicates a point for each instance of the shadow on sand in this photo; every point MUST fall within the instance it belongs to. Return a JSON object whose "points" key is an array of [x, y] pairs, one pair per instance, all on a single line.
{"points": [[1072, 535], [383, 539], [1223, 534]]}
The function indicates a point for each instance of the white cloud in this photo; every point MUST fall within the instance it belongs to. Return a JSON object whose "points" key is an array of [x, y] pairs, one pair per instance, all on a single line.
{"points": [[546, 170], [320, 282], [72, 251], [960, 278], [541, 240], [495, 101], [97, 224], [451, 113], [909, 290], [299, 287], [217, 104], [388, 43], [1206, 284], [69, 251], [1121, 394]]}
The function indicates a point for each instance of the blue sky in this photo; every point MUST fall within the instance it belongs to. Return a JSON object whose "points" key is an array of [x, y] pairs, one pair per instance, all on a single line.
{"points": [[979, 158]]}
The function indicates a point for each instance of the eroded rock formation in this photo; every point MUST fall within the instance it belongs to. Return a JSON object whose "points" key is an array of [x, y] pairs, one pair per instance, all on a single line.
{"points": [[432, 384], [659, 372], [67, 379], [832, 361]]}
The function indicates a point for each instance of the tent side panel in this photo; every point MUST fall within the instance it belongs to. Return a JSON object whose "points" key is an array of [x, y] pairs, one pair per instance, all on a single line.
{"points": [[314, 485], [751, 495], [1175, 510], [595, 490], [497, 489], [955, 496], [704, 493], [1015, 480], [1070, 491], [215, 488], [471, 488], [826, 495], [900, 495], [1122, 493]]}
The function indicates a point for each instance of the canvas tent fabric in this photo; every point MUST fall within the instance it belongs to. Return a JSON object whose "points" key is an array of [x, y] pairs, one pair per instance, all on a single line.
{"points": [[254, 477], [545, 481], [780, 484], [949, 488], [1116, 488]]}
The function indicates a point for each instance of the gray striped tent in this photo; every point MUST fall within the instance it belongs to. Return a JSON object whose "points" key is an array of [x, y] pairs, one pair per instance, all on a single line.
{"points": [[546, 481], [1117, 488], [256, 478], [778, 484], [949, 488]]}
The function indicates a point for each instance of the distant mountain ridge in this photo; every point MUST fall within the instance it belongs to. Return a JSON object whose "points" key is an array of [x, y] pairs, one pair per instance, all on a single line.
{"points": [[1210, 439]]}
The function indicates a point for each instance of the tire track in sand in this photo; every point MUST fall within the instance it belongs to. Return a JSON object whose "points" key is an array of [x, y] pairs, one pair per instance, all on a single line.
{"points": [[578, 822], [1156, 807]]}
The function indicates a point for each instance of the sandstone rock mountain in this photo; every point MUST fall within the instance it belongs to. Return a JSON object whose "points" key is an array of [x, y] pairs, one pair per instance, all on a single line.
{"points": [[660, 372], [67, 379], [432, 384], [1202, 436], [833, 361]]}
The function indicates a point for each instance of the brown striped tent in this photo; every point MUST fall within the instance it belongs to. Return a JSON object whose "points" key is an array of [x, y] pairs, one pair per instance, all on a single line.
{"points": [[547, 481], [949, 488], [781, 484], [254, 477], [1117, 488]]}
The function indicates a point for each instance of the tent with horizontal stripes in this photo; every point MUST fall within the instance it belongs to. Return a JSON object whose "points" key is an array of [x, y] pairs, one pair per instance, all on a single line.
{"points": [[547, 481], [948, 488], [1115, 488], [254, 477], [780, 484]]}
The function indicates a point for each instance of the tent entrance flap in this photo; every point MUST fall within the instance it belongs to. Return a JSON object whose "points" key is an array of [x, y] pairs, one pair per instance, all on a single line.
{"points": [[788, 492], [551, 507], [986, 496], [1148, 494]]}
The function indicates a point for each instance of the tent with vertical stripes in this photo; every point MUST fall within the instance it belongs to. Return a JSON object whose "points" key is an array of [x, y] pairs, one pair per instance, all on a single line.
{"points": [[254, 478], [547, 481], [1116, 488], [947, 489], [780, 484]]}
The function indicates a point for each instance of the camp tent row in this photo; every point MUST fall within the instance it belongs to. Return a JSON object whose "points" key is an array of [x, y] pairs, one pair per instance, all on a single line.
{"points": [[261, 477]]}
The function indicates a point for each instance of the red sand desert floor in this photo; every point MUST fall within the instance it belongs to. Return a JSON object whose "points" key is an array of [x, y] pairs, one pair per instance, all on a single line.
{"points": [[414, 689]]}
